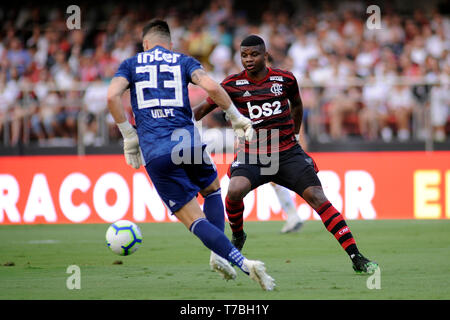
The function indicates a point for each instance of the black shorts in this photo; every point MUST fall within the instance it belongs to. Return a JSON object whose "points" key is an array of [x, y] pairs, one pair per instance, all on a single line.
{"points": [[296, 170]]}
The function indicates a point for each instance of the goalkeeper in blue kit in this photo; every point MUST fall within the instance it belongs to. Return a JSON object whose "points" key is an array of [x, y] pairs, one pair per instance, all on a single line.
{"points": [[167, 143]]}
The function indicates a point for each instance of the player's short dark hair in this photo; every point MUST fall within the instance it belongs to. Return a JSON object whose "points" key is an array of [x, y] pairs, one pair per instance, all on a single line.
{"points": [[157, 26], [253, 40]]}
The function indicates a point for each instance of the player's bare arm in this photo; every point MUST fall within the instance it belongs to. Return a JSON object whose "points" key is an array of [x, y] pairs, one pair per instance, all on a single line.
{"points": [[214, 90], [130, 139], [116, 89], [202, 110], [241, 125], [297, 113]]}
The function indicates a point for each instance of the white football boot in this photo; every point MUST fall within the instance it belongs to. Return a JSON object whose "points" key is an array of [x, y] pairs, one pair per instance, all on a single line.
{"points": [[222, 266], [258, 273], [293, 224]]}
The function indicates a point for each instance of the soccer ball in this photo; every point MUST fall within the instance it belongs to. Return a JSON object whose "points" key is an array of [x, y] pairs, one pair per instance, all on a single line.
{"points": [[123, 237]]}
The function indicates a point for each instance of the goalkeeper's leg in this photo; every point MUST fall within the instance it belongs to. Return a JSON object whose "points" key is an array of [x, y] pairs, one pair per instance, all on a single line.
{"points": [[214, 212], [214, 239]]}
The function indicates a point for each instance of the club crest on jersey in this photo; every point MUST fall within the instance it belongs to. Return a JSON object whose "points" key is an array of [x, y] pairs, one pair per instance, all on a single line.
{"points": [[276, 89]]}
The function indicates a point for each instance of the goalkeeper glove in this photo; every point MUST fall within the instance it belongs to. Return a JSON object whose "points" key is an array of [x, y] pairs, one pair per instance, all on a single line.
{"points": [[130, 144], [242, 126]]}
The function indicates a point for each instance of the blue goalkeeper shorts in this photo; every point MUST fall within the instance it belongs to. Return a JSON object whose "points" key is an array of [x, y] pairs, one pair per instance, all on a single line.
{"points": [[178, 183]]}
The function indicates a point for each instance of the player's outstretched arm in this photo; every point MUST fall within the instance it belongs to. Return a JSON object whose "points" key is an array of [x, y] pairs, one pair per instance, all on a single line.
{"points": [[202, 110], [130, 138], [241, 125]]}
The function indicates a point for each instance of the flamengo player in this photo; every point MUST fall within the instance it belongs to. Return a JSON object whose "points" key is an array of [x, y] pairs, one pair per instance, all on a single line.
{"points": [[263, 95], [158, 79]]}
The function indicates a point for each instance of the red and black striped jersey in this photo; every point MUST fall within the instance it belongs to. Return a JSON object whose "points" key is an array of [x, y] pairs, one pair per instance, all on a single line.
{"points": [[266, 103]]}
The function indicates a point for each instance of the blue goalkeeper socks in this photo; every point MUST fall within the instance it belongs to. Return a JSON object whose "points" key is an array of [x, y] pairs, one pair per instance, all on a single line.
{"points": [[217, 241], [214, 210]]}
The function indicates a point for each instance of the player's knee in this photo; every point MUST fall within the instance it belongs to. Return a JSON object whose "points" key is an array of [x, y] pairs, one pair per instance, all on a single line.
{"points": [[213, 187], [238, 188], [314, 196], [235, 193]]}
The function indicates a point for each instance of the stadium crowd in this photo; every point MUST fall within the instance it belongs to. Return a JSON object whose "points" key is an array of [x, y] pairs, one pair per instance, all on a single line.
{"points": [[371, 83]]}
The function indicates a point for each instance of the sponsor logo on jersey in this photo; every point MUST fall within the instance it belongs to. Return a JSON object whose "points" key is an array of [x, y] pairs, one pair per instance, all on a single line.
{"points": [[266, 109], [235, 164], [276, 89], [241, 82], [158, 55], [276, 78], [246, 94]]}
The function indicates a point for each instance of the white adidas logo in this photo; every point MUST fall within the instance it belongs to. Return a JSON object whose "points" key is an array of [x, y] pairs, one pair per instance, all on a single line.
{"points": [[171, 203], [247, 94]]}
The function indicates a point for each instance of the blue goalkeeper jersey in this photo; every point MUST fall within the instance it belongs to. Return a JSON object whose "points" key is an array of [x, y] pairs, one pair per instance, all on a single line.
{"points": [[159, 80]]}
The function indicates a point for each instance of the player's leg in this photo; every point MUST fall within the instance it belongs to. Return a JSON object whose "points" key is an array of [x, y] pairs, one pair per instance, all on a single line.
{"points": [[193, 218], [299, 173], [214, 212], [335, 223], [293, 221], [238, 188], [213, 205], [331, 218], [204, 175]]}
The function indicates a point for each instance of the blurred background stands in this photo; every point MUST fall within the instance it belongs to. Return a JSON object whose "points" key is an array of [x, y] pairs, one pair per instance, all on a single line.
{"points": [[369, 89]]}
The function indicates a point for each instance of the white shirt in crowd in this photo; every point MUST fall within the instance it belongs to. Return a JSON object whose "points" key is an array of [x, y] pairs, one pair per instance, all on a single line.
{"points": [[400, 97], [95, 97], [439, 105]]}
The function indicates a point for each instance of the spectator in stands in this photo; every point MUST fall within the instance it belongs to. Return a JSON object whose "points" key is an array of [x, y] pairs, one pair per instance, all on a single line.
{"points": [[19, 58], [302, 50], [72, 107], [346, 102], [4, 101], [123, 49], [89, 70], [366, 58], [48, 109], [90, 136], [14, 110], [400, 104], [64, 78], [374, 111], [440, 107], [322, 45], [94, 102], [200, 42]]}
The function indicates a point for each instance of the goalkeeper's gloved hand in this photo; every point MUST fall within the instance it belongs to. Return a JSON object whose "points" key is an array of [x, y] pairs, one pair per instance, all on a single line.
{"points": [[130, 145], [242, 126]]}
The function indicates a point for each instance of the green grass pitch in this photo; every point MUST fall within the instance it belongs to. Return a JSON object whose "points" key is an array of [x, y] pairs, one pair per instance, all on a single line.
{"points": [[172, 264]]}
